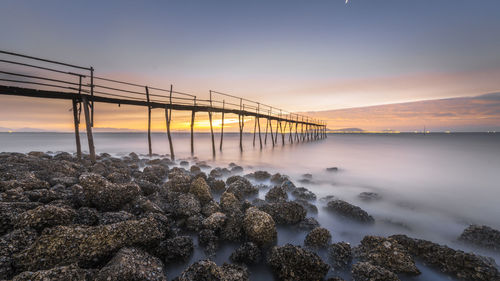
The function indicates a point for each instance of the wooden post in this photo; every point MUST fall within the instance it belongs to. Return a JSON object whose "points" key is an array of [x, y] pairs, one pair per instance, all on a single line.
{"points": [[168, 118], [77, 131], [92, 96], [296, 129], [149, 123], [267, 125], [276, 134], [193, 112], [211, 126], [258, 124], [222, 125], [241, 124], [90, 137], [302, 129], [290, 124]]}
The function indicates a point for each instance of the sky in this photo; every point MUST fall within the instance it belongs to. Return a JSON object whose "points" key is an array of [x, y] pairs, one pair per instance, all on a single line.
{"points": [[299, 55]]}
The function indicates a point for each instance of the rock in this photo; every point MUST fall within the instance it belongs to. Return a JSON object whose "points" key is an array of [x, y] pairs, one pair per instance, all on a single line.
{"points": [[236, 169], [307, 205], [260, 175], [219, 172], [118, 177], [178, 182], [466, 266], [86, 216], [215, 221], [210, 208], [201, 190], [45, 216], [9, 211], [10, 244], [386, 253], [233, 227], [308, 224], [147, 187], [184, 163], [332, 169], [195, 170], [248, 253], [242, 189], [303, 193], [365, 271], [318, 238], [216, 186], [66, 181], [350, 211], [175, 249], [278, 178], [482, 236], [63, 245], [134, 265], [141, 206], [96, 191], [61, 273], [327, 198], [207, 270], [276, 194], [229, 203], [340, 255], [294, 263], [285, 212], [369, 196], [288, 185], [259, 227], [209, 240], [186, 205], [44, 195], [154, 174], [114, 217], [194, 222], [232, 179]]}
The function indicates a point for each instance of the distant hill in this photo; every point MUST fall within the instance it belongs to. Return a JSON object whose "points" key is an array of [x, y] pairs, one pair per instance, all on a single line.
{"points": [[354, 130]]}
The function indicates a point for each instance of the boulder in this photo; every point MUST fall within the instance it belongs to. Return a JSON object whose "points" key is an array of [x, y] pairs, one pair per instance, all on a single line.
{"points": [[466, 266], [285, 212], [209, 240], [10, 244], [386, 253], [201, 190], [178, 182], [233, 227], [45, 216], [147, 187], [154, 174], [248, 253], [303, 193], [215, 221], [61, 273], [186, 205], [210, 208], [229, 203], [307, 205], [276, 194], [369, 196], [332, 169], [482, 236], [318, 238], [291, 263], [63, 245], [365, 271], [350, 211], [308, 224], [340, 255], [114, 217], [207, 270], [86, 216], [96, 191], [9, 211], [259, 227], [132, 264], [242, 188], [175, 249], [278, 178]]}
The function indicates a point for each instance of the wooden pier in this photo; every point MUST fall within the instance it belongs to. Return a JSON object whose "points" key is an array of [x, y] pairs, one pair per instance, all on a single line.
{"points": [[22, 75]]}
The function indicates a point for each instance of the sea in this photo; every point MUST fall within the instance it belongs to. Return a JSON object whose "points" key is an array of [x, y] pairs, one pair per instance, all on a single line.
{"points": [[432, 186]]}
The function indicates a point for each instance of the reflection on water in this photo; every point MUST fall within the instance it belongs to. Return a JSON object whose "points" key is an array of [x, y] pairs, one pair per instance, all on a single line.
{"points": [[432, 186]]}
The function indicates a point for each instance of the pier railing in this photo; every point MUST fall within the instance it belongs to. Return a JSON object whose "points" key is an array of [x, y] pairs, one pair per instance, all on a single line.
{"points": [[38, 77]]}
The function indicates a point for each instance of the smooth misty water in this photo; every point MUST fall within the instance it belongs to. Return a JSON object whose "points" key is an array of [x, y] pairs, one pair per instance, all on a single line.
{"points": [[433, 186]]}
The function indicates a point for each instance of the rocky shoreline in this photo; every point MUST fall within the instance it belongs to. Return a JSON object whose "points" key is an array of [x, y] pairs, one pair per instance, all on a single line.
{"points": [[127, 218]]}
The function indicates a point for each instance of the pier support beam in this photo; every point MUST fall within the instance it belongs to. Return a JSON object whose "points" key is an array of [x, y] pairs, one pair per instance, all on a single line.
{"points": [[265, 135], [211, 126], [241, 123], [168, 118], [77, 129], [150, 150], [222, 125], [193, 113], [90, 137], [271, 130]]}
